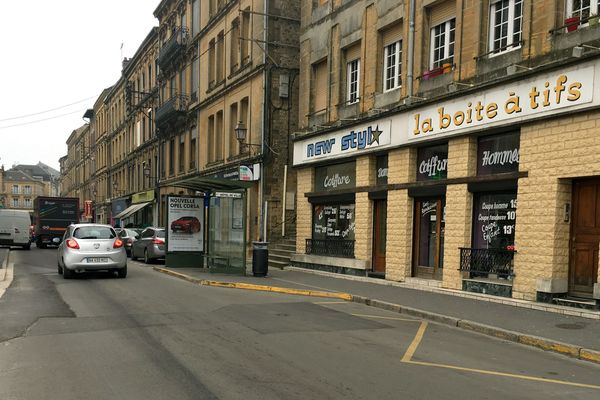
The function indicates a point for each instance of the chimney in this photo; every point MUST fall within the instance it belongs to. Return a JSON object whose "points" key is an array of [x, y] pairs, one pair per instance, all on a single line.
{"points": [[126, 62]]}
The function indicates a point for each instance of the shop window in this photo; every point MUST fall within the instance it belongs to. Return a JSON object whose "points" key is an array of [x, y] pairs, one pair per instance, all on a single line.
{"points": [[432, 163], [494, 220], [506, 24], [498, 154], [332, 222]]}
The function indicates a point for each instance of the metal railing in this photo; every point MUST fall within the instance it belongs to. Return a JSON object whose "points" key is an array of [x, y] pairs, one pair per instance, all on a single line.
{"points": [[330, 247], [483, 262], [173, 46]]}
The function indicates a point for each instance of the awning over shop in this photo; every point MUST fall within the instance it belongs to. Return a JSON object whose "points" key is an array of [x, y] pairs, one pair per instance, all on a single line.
{"points": [[205, 184], [131, 210]]}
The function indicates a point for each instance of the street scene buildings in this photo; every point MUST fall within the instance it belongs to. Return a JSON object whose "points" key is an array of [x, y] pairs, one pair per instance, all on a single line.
{"points": [[447, 142]]}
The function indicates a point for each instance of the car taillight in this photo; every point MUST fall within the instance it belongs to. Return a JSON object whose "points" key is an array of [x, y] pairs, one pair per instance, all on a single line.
{"points": [[72, 244], [118, 243], [158, 241]]}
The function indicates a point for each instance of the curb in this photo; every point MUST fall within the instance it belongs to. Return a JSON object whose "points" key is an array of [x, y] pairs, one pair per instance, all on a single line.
{"points": [[566, 349], [261, 288]]}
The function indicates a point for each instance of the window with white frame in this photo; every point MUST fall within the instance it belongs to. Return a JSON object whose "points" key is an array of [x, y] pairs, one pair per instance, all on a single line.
{"points": [[392, 66], [15, 189], [27, 189], [506, 25], [442, 44], [353, 81], [27, 203], [582, 8], [15, 202]]}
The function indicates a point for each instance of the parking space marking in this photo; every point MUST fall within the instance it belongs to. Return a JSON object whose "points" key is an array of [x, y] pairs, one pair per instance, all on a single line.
{"points": [[407, 359], [504, 374], [415, 343]]}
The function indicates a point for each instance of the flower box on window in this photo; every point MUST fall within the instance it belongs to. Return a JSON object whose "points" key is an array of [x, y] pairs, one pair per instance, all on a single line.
{"points": [[432, 73], [594, 19], [572, 23]]}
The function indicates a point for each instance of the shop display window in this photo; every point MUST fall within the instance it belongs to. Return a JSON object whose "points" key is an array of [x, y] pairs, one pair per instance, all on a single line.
{"points": [[494, 220], [334, 222]]}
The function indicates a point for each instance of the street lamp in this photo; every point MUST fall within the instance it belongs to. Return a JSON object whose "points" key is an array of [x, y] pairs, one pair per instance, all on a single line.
{"points": [[240, 134]]}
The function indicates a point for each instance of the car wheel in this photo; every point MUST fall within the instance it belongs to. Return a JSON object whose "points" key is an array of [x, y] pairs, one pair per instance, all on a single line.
{"points": [[60, 270], [146, 259], [67, 273], [122, 272], [27, 246]]}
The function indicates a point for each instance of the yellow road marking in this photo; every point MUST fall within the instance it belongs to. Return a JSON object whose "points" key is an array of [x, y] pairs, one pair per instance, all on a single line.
{"points": [[380, 317], [415, 343], [517, 376]]}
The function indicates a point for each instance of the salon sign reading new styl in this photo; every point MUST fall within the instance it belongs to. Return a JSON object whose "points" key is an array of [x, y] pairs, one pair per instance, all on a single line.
{"points": [[517, 100], [341, 142]]}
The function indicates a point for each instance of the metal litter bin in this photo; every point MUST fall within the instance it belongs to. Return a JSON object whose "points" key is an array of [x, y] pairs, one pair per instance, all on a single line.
{"points": [[260, 258]]}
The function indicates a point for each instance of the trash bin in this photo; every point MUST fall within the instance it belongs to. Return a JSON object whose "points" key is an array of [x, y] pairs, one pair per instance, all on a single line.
{"points": [[260, 258]]}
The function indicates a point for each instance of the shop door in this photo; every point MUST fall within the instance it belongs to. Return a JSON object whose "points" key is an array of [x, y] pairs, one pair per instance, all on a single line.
{"points": [[585, 236], [379, 235], [429, 238]]}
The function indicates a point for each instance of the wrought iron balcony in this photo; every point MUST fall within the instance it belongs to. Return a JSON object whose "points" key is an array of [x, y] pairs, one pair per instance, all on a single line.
{"points": [[172, 110], [330, 247], [484, 262], [173, 47]]}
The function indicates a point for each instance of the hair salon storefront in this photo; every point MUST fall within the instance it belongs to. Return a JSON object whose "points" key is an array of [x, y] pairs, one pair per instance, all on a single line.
{"points": [[495, 191]]}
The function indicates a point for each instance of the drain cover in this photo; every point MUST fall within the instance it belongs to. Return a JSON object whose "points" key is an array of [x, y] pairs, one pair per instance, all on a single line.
{"points": [[570, 326]]}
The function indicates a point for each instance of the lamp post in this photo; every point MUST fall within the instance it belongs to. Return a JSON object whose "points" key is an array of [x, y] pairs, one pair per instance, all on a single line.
{"points": [[240, 134]]}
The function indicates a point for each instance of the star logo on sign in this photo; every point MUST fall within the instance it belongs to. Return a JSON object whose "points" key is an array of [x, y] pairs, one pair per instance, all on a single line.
{"points": [[375, 135]]}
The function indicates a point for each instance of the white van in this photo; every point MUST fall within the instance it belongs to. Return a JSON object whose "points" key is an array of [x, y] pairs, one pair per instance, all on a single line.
{"points": [[14, 228]]}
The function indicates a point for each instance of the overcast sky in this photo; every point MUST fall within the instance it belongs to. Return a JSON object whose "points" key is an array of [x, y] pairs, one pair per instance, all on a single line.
{"points": [[59, 55]]}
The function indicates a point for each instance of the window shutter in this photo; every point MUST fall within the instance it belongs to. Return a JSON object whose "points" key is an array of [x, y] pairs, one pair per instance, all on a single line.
{"points": [[392, 34], [442, 13], [320, 86], [353, 52]]}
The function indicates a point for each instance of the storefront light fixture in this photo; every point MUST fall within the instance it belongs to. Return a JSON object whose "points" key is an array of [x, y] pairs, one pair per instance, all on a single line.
{"points": [[454, 86], [514, 68], [579, 50]]}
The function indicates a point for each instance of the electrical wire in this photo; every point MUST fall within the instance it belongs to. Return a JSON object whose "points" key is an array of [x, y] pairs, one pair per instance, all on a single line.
{"points": [[42, 120], [46, 111]]}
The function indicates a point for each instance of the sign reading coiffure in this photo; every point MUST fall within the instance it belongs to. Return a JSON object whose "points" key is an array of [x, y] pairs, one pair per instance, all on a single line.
{"points": [[335, 177]]}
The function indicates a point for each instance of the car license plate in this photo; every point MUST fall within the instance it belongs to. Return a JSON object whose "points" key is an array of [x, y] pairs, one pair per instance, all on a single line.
{"points": [[97, 259]]}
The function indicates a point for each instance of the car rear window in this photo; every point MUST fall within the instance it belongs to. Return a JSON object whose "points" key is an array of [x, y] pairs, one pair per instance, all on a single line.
{"points": [[160, 234], [94, 232]]}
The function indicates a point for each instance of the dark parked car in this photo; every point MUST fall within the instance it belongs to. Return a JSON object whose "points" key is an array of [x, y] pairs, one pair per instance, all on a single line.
{"points": [[150, 245], [128, 236], [186, 224]]}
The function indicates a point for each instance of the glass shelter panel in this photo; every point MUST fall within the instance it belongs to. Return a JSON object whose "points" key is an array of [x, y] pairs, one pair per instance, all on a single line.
{"points": [[226, 247]]}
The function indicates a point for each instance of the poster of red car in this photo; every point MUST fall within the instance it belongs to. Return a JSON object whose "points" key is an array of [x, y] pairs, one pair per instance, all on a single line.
{"points": [[185, 223]]}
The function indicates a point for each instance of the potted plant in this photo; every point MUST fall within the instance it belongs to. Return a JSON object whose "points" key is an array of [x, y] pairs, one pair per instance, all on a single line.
{"points": [[572, 23]]}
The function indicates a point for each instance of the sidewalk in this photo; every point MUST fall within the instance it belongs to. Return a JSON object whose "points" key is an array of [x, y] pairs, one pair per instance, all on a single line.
{"points": [[567, 334]]}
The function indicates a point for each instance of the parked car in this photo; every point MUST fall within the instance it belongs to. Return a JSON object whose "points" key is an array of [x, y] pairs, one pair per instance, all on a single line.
{"points": [[91, 247], [150, 245], [187, 224], [128, 236]]}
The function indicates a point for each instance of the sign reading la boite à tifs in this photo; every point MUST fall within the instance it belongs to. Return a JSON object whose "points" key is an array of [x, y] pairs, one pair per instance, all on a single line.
{"points": [[346, 142], [509, 103]]}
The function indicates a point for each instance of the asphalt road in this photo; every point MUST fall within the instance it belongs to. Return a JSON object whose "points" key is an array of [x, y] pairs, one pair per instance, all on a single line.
{"points": [[152, 336]]}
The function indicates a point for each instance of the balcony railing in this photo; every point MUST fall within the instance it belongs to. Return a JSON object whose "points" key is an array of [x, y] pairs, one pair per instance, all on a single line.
{"points": [[173, 47], [486, 262], [171, 109], [330, 247]]}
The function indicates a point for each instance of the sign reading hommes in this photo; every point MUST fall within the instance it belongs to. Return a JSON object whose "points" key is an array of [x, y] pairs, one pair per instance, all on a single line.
{"points": [[517, 100]]}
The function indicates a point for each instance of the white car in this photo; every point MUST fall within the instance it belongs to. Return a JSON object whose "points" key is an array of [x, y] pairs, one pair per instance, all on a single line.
{"points": [[91, 247]]}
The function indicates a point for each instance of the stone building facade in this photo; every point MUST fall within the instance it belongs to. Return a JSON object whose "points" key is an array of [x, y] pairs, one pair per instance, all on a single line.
{"points": [[463, 151]]}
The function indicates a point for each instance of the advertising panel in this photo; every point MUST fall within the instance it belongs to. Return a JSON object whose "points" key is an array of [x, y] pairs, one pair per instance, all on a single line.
{"points": [[185, 223]]}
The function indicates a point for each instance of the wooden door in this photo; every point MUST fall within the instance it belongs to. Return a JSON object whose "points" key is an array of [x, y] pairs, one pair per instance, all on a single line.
{"points": [[585, 237], [428, 237]]}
